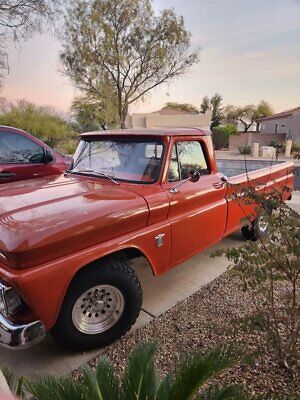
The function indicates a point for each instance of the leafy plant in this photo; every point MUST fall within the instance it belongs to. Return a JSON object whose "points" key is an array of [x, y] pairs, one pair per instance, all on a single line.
{"points": [[296, 147], [221, 135], [15, 383], [190, 108], [42, 122], [269, 271], [246, 149], [140, 382]]}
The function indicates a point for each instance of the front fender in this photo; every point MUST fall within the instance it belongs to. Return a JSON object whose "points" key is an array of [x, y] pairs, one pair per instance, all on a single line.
{"points": [[44, 287]]}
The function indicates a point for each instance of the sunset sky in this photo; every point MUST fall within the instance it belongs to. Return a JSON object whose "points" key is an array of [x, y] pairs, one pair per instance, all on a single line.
{"points": [[250, 50]]}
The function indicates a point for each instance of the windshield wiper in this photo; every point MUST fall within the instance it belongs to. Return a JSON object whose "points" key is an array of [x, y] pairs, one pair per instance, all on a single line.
{"points": [[92, 171]]}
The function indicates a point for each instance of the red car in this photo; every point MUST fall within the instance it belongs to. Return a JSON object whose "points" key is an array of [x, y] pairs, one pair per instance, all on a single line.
{"points": [[22, 156]]}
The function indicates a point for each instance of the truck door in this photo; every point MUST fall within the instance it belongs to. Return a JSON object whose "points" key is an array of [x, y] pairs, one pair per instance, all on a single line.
{"points": [[198, 210], [20, 158]]}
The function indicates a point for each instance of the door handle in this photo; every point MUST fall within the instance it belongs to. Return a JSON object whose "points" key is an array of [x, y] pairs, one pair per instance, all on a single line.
{"points": [[219, 185], [7, 175]]}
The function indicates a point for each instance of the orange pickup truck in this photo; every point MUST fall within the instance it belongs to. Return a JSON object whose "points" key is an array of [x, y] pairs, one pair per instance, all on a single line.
{"points": [[66, 241]]}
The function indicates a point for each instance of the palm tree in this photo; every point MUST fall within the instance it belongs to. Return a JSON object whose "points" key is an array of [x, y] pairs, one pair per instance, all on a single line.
{"points": [[140, 382]]}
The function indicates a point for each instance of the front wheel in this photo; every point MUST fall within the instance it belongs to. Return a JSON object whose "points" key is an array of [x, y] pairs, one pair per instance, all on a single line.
{"points": [[258, 229], [101, 305]]}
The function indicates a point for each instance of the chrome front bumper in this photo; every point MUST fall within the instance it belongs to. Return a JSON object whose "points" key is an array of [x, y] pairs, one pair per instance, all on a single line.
{"points": [[20, 336]]}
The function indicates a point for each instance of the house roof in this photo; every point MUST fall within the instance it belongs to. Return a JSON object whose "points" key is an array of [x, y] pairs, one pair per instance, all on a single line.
{"points": [[282, 114], [148, 132]]}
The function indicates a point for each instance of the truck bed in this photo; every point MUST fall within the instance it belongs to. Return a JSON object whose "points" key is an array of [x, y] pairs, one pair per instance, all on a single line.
{"points": [[233, 168]]}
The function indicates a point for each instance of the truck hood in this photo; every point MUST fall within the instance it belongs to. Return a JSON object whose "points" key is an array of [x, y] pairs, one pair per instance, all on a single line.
{"points": [[47, 218]]}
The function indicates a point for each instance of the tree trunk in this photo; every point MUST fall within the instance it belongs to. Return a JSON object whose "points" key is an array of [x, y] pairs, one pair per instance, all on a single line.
{"points": [[123, 116]]}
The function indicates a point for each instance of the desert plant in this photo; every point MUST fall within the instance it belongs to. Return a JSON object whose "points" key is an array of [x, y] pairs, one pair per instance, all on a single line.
{"points": [[269, 271], [140, 382], [245, 150], [42, 122], [15, 383]]}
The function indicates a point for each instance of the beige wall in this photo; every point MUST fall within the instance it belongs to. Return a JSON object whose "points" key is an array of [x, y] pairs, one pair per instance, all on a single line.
{"points": [[254, 137], [143, 120]]}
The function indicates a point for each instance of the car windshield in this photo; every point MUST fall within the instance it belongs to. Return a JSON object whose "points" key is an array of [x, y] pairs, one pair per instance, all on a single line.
{"points": [[133, 160]]}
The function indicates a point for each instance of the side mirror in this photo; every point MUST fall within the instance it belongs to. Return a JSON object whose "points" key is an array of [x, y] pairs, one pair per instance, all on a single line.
{"points": [[48, 156], [194, 175]]}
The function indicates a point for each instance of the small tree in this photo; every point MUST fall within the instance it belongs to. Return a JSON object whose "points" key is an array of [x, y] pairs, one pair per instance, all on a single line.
{"points": [[217, 110], [183, 107], [123, 44], [205, 105], [215, 105], [269, 271], [247, 114]]}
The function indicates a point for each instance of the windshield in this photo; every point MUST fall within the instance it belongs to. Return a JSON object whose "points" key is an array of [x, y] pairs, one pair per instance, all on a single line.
{"points": [[133, 160]]}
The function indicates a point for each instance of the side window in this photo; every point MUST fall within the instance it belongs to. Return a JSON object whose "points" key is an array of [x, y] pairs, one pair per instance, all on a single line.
{"points": [[17, 149], [187, 156], [173, 174]]}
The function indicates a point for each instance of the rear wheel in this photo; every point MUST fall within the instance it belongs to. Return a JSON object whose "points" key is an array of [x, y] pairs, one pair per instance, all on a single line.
{"points": [[258, 229], [101, 304]]}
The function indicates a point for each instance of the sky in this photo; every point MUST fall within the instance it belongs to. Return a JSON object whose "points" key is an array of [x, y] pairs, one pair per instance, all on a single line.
{"points": [[249, 50]]}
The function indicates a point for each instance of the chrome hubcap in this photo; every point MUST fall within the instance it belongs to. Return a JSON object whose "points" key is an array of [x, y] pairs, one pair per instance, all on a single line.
{"points": [[98, 309], [262, 224]]}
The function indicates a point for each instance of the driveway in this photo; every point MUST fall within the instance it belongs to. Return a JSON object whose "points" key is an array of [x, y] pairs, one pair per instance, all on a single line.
{"points": [[160, 294]]}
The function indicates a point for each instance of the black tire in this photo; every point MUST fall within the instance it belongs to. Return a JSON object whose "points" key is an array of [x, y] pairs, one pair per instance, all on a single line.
{"points": [[255, 231], [115, 273]]}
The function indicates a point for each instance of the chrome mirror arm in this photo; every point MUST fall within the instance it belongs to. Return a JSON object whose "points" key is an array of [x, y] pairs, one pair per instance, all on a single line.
{"points": [[174, 189], [195, 176]]}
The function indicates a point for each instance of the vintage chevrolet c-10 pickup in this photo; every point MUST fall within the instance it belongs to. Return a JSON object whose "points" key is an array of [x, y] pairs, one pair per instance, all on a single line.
{"points": [[66, 241]]}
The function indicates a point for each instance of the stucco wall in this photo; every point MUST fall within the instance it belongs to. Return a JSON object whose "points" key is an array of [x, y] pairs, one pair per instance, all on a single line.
{"points": [[254, 137], [269, 126], [152, 120], [294, 133]]}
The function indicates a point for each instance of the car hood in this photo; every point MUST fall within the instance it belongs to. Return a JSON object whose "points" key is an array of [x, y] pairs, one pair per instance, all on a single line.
{"points": [[43, 219]]}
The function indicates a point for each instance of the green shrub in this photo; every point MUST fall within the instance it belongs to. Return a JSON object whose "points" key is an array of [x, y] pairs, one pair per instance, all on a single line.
{"points": [[296, 147], [140, 380], [42, 122], [245, 149], [232, 129], [67, 146], [221, 135]]}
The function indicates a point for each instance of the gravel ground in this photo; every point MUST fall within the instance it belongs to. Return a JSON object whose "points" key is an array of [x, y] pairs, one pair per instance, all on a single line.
{"points": [[201, 322]]}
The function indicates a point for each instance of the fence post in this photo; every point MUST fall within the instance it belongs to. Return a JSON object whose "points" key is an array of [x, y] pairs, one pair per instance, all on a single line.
{"points": [[288, 148], [255, 150]]}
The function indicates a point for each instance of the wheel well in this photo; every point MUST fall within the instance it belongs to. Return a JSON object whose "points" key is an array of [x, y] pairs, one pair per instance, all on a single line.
{"points": [[123, 255]]}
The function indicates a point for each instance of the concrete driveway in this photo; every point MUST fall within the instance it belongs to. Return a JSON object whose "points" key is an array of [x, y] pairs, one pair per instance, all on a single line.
{"points": [[160, 294]]}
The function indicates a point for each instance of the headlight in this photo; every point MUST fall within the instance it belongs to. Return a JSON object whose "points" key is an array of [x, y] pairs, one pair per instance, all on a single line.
{"points": [[10, 301]]}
